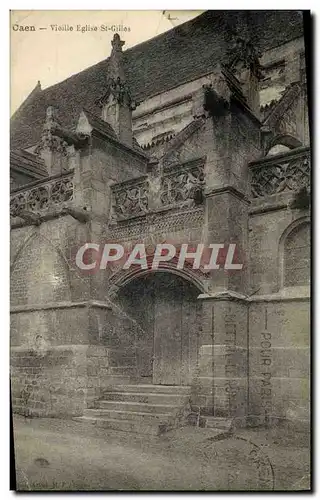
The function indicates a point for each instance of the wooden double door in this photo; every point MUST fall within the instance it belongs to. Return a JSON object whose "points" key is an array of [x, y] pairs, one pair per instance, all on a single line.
{"points": [[168, 312]]}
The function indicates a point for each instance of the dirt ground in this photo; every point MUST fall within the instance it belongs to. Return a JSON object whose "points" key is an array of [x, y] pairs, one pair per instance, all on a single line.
{"points": [[54, 454]]}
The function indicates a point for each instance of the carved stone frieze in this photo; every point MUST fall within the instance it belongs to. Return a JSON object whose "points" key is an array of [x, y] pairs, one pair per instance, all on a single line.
{"points": [[282, 173], [156, 224], [130, 198], [42, 197], [179, 186]]}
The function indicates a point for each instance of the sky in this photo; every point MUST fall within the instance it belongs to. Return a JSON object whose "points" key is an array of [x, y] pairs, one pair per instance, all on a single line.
{"points": [[50, 56]]}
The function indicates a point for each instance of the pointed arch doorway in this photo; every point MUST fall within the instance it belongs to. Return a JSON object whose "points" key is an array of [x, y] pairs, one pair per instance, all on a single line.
{"points": [[166, 308]]}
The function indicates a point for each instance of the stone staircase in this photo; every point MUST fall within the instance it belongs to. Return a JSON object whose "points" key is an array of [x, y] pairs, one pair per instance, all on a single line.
{"points": [[143, 408], [219, 423]]}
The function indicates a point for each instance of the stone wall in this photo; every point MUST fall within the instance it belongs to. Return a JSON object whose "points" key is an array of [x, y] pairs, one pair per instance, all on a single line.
{"points": [[108, 366], [266, 230], [283, 66], [279, 316], [48, 322], [171, 111], [223, 363], [49, 382], [54, 320], [43, 262], [279, 361], [70, 340], [63, 380]]}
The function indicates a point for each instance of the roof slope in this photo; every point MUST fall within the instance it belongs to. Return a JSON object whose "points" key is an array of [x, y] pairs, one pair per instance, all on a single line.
{"points": [[155, 66], [26, 162]]}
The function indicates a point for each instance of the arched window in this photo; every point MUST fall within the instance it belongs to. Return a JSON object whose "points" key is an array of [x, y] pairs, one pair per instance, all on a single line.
{"points": [[297, 256]]}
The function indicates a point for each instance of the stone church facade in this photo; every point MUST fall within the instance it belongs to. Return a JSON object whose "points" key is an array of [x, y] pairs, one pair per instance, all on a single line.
{"points": [[199, 135]]}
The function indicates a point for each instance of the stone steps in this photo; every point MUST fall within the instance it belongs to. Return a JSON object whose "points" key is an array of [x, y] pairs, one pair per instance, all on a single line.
{"points": [[118, 379], [146, 409], [121, 425], [122, 370], [137, 416], [154, 389], [145, 397], [133, 406], [140, 408], [221, 423]]}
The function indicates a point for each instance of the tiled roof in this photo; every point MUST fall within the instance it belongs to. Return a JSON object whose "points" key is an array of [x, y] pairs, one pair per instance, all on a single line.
{"points": [[106, 129], [155, 66], [29, 163], [98, 124]]}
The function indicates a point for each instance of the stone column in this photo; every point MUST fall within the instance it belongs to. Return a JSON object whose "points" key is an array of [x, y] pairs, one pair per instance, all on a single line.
{"points": [[223, 356], [223, 351]]}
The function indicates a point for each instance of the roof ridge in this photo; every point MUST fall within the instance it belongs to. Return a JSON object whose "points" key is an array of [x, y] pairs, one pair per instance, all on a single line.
{"points": [[27, 154], [124, 52], [30, 96], [164, 33], [180, 55]]}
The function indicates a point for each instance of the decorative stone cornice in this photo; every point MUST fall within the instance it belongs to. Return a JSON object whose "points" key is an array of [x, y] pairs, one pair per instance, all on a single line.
{"points": [[29, 218], [180, 186], [42, 195], [223, 295], [283, 296], [213, 191], [162, 107], [62, 305], [27, 163], [45, 307], [156, 223], [45, 200], [286, 172]]}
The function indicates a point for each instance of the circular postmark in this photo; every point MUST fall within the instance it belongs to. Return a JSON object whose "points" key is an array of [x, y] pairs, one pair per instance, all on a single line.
{"points": [[243, 465], [222, 461]]}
